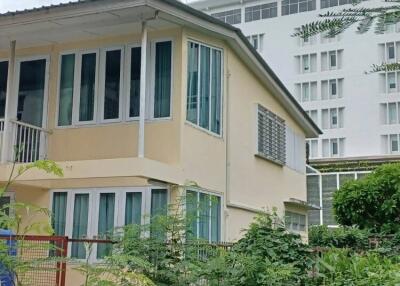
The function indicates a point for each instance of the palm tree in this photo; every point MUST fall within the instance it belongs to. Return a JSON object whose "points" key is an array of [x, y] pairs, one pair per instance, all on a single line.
{"points": [[334, 23]]}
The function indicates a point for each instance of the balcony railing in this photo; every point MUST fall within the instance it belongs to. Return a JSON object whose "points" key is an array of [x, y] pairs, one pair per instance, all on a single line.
{"points": [[28, 143]]}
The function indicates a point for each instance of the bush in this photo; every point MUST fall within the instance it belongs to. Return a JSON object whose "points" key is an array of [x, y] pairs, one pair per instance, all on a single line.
{"points": [[372, 202], [343, 268], [341, 237]]}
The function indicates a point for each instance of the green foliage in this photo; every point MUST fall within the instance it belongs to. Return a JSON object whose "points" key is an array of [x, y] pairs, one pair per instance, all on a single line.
{"points": [[26, 218], [344, 268], [372, 202], [266, 255], [341, 237]]}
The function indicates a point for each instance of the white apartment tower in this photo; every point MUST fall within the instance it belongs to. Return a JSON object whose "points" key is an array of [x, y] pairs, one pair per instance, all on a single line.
{"points": [[359, 113]]}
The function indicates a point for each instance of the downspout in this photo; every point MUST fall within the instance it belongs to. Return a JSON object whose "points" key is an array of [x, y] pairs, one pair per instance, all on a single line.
{"points": [[143, 71], [143, 91], [7, 116], [227, 149]]}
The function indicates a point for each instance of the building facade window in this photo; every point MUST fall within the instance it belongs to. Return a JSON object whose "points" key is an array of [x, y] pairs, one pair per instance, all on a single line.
{"points": [[391, 143], [204, 87], [231, 17], [332, 118], [91, 77], [3, 87], [295, 222], [257, 41], [271, 142], [95, 213], [313, 115], [297, 6], [390, 113], [203, 214], [332, 89], [333, 3], [306, 63], [331, 60], [312, 147], [295, 151], [258, 12], [306, 91], [333, 147]]}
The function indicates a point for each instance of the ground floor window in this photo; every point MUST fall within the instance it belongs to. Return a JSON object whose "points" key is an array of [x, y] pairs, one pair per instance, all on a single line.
{"points": [[96, 212], [203, 213], [295, 222]]}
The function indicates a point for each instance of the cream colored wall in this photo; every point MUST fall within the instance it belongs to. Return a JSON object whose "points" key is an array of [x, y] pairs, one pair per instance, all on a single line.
{"points": [[118, 140]]}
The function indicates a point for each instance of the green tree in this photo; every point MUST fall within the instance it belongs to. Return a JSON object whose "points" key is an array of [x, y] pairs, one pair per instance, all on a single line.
{"points": [[372, 202]]}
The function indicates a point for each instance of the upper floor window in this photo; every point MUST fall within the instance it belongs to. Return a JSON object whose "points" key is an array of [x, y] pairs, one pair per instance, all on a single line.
{"points": [[332, 89], [3, 87], [91, 86], [332, 118], [313, 115], [295, 150], [331, 60], [391, 143], [297, 6], [257, 41], [312, 146], [306, 91], [390, 113], [203, 213], [258, 12], [306, 63], [230, 17], [271, 136], [204, 87], [333, 147], [332, 3]]}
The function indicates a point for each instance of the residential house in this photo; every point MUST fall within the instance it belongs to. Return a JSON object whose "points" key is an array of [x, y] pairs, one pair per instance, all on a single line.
{"points": [[142, 102]]}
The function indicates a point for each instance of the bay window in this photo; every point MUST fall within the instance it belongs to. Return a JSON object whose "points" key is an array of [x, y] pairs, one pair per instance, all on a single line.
{"points": [[95, 85], [204, 87]]}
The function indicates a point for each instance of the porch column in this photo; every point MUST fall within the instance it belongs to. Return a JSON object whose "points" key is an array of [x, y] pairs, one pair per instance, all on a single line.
{"points": [[7, 134], [143, 70]]}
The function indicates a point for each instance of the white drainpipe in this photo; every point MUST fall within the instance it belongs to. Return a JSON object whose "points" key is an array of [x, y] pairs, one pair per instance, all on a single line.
{"points": [[143, 70], [6, 150]]}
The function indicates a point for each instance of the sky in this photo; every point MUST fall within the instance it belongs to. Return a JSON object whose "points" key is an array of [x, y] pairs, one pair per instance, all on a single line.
{"points": [[13, 5]]}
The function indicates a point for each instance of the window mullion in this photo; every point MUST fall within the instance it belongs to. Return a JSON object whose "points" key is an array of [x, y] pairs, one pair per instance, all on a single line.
{"points": [[210, 91], [198, 85]]}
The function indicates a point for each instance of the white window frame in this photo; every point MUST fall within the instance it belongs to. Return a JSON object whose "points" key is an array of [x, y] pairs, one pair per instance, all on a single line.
{"points": [[387, 51], [332, 82], [388, 88], [198, 191], [98, 115], [93, 208], [45, 88], [340, 147], [305, 58], [310, 143], [335, 54], [150, 98], [102, 82], [290, 227], [389, 143], [197, 125]]}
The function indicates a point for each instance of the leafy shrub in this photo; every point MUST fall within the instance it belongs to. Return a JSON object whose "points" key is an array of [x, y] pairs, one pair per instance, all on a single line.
{"points": [[372, 202], [341, 237], [343, 267]]}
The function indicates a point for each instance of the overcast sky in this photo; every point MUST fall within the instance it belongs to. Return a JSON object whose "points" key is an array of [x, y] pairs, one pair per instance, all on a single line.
{"points": [[13, 5]]}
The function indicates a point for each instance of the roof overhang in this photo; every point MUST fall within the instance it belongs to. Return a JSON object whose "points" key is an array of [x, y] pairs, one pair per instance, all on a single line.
{"points": [[97, 18], [299, 204]]}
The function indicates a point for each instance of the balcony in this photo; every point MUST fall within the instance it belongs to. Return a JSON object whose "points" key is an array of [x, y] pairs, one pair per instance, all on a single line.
{"points": [[26, 143]]}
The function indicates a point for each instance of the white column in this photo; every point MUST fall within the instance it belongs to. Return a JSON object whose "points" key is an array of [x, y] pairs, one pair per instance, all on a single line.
{"points": [[143, 70], [7, 135]]}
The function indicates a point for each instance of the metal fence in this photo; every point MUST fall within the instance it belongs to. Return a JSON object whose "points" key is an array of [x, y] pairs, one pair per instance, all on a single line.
{"points": [[41, 259]]}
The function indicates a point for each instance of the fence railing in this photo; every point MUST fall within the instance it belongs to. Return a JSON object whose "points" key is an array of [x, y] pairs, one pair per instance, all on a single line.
{"points": [[29, 142], [41, 259]]}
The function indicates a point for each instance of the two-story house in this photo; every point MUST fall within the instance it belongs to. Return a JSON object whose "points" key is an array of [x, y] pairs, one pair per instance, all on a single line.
{"points": [[142, 102]]}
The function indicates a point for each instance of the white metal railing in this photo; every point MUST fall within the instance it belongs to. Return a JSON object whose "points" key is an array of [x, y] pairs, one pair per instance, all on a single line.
{"points": [[28, 142]]}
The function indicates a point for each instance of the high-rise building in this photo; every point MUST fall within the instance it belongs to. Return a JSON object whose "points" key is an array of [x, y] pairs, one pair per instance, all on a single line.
{"points": [[359, 112]]}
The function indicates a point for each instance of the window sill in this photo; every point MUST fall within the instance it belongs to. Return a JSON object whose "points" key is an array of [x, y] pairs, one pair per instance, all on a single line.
{"points": [[261, 156], [103, 124], [203, 130]]}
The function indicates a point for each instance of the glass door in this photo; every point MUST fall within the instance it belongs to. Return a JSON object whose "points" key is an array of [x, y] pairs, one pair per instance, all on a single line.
{"points": [[31, 91]]}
